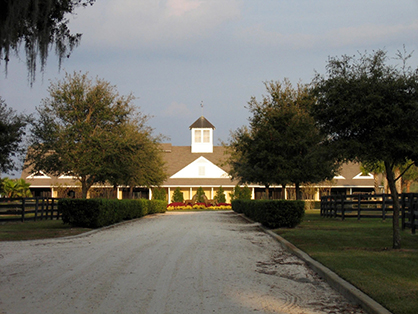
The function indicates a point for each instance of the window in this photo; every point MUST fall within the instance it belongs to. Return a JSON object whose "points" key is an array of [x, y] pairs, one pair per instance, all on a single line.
{"points": [[206, 136], [198, 136]]}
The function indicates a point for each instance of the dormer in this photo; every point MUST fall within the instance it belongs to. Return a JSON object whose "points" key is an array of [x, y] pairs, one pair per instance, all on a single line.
{"points": [[202, 136]]}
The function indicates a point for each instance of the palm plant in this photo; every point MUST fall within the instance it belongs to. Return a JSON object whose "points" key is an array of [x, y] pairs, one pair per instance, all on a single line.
{"points": [[15, 188]]}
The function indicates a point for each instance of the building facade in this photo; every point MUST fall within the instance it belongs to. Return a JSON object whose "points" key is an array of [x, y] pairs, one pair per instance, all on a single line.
{"points": [[202, 164]]}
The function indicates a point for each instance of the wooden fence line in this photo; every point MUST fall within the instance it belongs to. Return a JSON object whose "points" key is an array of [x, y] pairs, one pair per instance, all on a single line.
{"points": [[22, 209], [371, 206]]}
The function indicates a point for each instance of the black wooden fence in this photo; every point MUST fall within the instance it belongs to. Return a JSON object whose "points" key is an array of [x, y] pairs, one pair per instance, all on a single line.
{"points": [[371, 206], [21, 209]]}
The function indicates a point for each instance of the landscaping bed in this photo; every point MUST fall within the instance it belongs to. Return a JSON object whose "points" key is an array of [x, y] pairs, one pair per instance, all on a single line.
{"points": [[198, 206]]}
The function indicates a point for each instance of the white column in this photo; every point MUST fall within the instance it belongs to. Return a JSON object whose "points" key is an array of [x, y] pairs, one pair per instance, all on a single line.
{"points": [[211, 193], [150, 193], [169, 195], [317, 195], [285, 193], [191, 193], [253, 194]]}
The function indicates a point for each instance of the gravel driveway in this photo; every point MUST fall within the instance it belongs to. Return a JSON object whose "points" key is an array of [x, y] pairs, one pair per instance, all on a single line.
{"points": [[194, 262]]}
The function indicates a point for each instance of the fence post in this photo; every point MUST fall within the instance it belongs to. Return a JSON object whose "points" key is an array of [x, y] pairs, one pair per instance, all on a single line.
{"points": [[403, 205], [46, 208], [52, 209], [23, 209], [42, 209], [383, 203], [36, 207], [342, 207]]}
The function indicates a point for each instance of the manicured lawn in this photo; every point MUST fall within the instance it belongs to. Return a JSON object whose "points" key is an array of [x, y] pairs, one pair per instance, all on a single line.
{"points": [[361, 253], [30, 230]]}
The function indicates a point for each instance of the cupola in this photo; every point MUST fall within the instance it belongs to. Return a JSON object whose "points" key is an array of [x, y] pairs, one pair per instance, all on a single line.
{"points": [[202, 136]]}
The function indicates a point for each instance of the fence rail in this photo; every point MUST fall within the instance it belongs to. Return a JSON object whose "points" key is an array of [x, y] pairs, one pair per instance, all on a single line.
{"points": [[22, 209], [371, 206]]}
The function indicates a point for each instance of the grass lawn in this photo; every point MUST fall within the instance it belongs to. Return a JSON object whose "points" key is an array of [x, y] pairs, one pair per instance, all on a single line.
{"points": [[361, 252], [31, 230]]}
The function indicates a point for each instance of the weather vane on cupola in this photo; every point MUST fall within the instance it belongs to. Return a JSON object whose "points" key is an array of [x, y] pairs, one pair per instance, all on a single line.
{"points": [[201, 107]]}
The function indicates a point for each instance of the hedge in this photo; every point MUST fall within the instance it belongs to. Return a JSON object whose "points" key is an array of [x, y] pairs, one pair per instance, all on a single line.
{"points": [[96, 213], [271, 213]]}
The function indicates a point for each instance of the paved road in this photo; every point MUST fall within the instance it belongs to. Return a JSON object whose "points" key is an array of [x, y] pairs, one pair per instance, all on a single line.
{"points": [[199, 262]]}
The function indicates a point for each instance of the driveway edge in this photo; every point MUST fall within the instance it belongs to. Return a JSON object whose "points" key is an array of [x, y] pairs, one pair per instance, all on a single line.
{"points": [[335, 281]]}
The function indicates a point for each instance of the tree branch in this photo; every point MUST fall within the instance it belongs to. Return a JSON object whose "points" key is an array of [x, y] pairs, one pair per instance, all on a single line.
{"points": [[407, 168]]}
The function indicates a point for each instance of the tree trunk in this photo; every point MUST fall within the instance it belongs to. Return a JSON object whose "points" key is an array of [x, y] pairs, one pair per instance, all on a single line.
{"points": [[392, 186], [297, 191], [85, 186], [408, 186], [376, 183], [115, 191], [84, 189], [398, 183], [267, 191], [131, 192]]}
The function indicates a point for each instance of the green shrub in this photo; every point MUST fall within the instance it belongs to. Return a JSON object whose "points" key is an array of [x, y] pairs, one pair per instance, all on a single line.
{"points": [[96, 213], [157, 206], [220, 195], [272, 213], [178, 196], [159, 194], [239, 193], [200, 193]]}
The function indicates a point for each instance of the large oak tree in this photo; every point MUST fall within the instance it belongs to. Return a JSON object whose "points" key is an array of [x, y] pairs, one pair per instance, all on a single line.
{"points": [[368, 108], [86, 130], [282, 144]]}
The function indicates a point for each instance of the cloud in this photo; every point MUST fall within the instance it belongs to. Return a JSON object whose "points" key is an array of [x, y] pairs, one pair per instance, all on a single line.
{"points": [[361, 35], [177, 110], [371, 34], [182, 7], [126, 24]]}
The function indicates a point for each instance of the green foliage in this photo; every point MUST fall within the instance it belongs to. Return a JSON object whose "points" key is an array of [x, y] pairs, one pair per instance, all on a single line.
{"points": [[272, 213], [283, 144], [96, 213], [220, 195], [157, 206], [368, 110], [15, 188], [138, 158], [200, 193], [86, 130], [178, 196], [12, 131], [159, 194], [239, 193], [38, 25]]}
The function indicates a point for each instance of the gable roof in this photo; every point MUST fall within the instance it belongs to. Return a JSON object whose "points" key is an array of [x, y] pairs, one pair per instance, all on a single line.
{"points": [[350, 176], [202, 123], [177, 158]]}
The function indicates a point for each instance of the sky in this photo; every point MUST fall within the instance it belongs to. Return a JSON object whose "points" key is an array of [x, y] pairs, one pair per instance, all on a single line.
{"points": [[174, 55]]}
